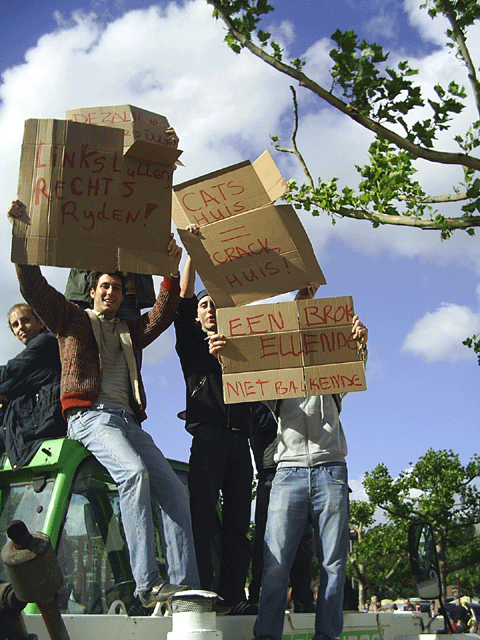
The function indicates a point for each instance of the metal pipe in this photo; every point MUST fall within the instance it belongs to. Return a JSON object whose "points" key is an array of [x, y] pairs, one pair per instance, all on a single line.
{"points": [[32, 567]]}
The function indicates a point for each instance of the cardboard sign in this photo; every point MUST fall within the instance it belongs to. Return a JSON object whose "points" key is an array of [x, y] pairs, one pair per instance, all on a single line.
{"points": [[143, 131], [290, 350], [248, 249], [91, 204], [228, 192]]}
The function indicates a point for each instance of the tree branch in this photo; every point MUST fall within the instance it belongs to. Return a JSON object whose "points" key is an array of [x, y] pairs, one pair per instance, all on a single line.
{"points": [[376, 218], [395, 565], [449, 12], [452, 197], [441, 157], [296, 152]]}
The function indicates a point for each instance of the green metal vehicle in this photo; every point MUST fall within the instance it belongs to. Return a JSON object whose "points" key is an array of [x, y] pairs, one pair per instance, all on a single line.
{"points": [[65, 493]]}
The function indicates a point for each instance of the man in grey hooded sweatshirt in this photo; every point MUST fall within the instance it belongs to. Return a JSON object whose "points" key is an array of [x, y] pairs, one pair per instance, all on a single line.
{"points": [[311, 479]]}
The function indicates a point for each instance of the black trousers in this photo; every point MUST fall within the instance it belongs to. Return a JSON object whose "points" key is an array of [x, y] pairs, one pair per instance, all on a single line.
{"points": [[220, 462]]}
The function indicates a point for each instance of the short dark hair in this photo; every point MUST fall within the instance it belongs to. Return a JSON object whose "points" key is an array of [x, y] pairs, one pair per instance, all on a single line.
{"points": [[96, 275], [20, 305]]}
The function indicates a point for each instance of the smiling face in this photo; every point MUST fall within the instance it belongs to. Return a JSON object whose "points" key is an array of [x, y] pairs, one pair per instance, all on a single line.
{"points": [[24, 324], [207, 314], [107, 296]]}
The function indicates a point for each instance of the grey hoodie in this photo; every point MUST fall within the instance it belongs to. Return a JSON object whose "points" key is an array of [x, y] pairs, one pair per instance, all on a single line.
{"points": [[309, 431]]}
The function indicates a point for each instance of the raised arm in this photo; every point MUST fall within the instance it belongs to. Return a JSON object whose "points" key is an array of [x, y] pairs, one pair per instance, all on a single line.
{"points": [[49, 304], [151, 324], [187, 283]]}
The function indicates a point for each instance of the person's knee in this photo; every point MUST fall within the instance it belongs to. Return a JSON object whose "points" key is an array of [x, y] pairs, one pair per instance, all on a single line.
{"points": [[136, 474], [274, 573]]}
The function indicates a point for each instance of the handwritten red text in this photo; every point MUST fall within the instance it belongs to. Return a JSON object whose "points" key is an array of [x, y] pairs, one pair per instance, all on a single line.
{"points": [[327, 315]]}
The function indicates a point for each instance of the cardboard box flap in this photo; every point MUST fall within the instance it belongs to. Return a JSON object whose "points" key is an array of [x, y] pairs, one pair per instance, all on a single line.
{"points": [[294, 383], [154, 152], [46, 134], [259, 319], [144, 131], [258, 353], [228, 192], [36, 131], [145, 261], [137, 123], [57, 156], [273, 181], [213, 175], [329, 345]]}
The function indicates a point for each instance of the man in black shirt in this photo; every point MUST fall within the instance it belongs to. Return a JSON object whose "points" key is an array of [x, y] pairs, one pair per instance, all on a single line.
{"points": [[220, 456]]}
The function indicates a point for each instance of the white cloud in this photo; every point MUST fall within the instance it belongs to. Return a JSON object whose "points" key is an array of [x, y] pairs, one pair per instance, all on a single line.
{"points": [[359, 493], [382, 25], [173, 60], [439, 334], [222, 105], [430, 30], [358, 490]]}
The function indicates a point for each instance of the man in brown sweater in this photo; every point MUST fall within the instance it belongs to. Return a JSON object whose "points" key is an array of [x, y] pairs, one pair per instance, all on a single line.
{"points": [[104, 401]]}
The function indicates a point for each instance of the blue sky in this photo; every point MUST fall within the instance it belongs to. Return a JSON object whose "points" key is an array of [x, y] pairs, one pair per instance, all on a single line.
{"points": [[418, 297]]}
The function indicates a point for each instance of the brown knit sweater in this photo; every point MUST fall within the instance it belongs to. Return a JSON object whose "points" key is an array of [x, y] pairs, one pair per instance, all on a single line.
{"points": [[81, 364]]}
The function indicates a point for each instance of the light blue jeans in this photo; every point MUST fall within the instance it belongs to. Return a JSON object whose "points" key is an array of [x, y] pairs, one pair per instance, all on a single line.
{"points": [[322, 492], [143, 474]]}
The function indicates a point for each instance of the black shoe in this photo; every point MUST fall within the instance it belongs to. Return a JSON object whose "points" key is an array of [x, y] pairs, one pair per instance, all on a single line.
{"points": [[304, 607], [161, 593], [254, 606], [243, 608], [220, 607]]}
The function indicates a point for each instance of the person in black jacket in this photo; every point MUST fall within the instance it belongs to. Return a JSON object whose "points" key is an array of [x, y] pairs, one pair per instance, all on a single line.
{"points": [[220, 455], [30, 389]]}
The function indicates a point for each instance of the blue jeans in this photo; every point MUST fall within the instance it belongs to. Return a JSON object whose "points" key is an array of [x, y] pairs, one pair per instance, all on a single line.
{"points": [[143, 474], [321, 491], [301, 573]]}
